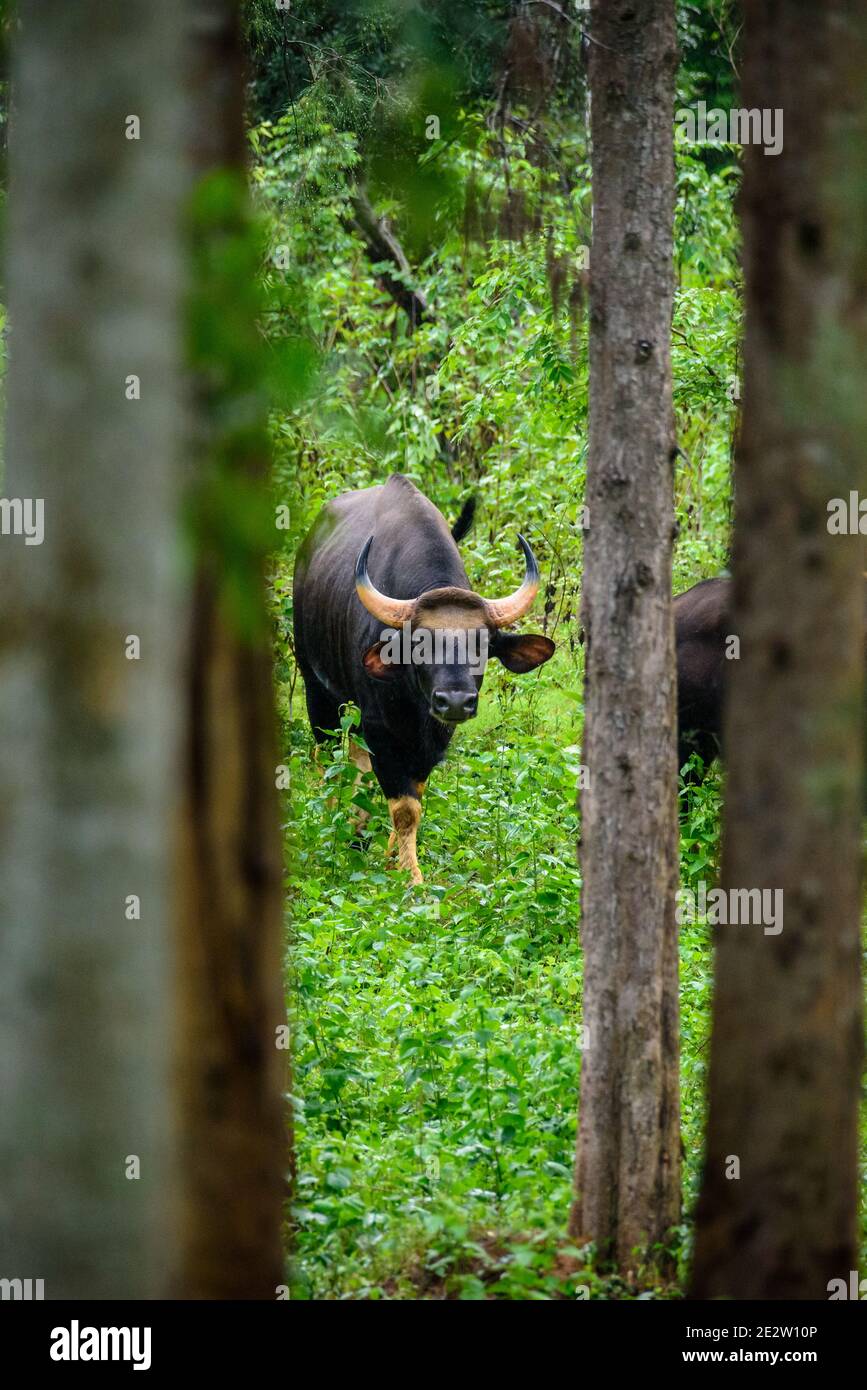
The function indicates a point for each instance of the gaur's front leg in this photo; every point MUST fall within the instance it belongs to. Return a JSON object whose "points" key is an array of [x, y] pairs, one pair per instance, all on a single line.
{"points": [[405, 814], [403, 793]]}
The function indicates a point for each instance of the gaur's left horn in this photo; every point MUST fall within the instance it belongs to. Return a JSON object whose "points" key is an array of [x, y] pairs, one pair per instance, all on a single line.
{"points": [[503, 611], [392, 612]]}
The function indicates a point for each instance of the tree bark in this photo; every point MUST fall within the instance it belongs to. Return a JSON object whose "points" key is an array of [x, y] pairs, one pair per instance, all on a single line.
{"points": [[384, 249], [787, 1032], [627, 1173], [89, 730], [230, 1073]]}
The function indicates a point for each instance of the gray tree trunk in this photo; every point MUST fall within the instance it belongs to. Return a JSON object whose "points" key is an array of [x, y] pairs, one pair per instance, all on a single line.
{"points": [[86, 757], [628, 1171], [777, 1212]]}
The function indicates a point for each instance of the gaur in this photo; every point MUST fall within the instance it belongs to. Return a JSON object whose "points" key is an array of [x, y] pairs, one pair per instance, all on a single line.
{"points": [[380, 562]]}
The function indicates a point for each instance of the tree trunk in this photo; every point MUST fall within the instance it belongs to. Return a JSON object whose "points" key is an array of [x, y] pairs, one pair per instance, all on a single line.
{"points": [[384, 249], [89, 726], [627, 1174], [233, 1143], [777, 1212]]}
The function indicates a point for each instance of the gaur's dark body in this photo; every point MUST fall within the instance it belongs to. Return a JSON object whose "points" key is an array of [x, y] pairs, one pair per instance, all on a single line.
{"points": [[333, 631], [384, 560], [702, 625]]}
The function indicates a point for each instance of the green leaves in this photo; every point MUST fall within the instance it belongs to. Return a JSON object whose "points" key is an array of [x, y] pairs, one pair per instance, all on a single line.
{"points": [[437, 1030], [419, 1039]]}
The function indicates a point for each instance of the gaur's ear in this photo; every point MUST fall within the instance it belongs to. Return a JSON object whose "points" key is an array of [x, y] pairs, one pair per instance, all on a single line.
{"points": [[522, 652], [375, 666]]}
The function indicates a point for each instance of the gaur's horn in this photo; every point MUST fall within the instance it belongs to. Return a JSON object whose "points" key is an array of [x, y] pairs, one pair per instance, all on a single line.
{"points": [[392, 612], [503, 611]]}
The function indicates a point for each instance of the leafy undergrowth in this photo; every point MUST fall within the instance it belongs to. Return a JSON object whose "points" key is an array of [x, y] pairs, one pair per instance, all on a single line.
{"points": [[437, 1029]]}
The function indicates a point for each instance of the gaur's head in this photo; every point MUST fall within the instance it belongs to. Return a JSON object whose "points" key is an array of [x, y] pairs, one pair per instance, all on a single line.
{"points": [[440, 642]]}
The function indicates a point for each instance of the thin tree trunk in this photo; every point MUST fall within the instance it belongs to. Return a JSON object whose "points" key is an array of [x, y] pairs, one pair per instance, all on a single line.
{"points": [[230, 1073], [89, 728], [627, 1174], [777, 1212], [384, 249]]}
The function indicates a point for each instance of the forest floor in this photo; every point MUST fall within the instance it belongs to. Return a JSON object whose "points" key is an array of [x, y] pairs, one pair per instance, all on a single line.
{"points": [[438, 1029]]}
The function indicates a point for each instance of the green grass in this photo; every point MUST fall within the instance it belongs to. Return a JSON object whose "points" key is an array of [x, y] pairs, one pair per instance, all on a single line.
{"points": [[437, 1030]]}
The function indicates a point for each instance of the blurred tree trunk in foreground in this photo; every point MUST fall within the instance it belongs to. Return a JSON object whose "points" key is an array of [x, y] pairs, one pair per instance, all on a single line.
{"points": [[233, 1144], [787, 1032], [628, 1171], [89, 731]]}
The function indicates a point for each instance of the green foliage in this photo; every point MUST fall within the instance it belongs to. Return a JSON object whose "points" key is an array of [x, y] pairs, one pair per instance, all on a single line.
{"points": [[435, 1038], [700, 804], [437, 1030], [709, 33], [230, 522]]}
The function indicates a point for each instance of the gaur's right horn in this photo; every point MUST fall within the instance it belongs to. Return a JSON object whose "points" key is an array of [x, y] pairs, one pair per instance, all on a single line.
{"points": [[392, 612]]}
